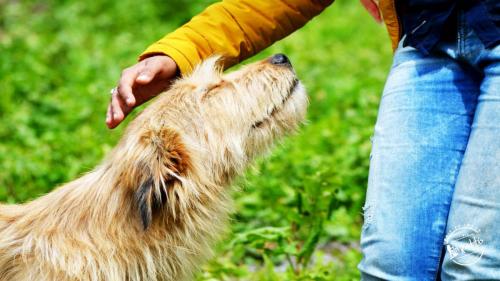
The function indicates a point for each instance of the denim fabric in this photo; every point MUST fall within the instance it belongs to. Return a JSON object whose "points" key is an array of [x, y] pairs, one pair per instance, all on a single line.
{"points": [[432, 207]]}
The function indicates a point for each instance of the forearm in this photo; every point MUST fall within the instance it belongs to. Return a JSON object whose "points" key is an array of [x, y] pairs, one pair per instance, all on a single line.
{"points": [[236, 29]]}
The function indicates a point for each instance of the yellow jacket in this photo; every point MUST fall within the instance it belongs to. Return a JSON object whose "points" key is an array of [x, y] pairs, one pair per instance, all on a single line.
{"points": [[239, 29]]}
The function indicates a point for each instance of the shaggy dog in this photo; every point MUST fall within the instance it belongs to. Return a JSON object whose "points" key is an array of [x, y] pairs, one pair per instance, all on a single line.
{"points": [[155, 206]]}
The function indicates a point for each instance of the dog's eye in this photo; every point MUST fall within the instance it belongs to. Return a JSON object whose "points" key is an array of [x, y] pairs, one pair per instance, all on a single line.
{"points": [[210, 92], [214, 89], [175, 161]]}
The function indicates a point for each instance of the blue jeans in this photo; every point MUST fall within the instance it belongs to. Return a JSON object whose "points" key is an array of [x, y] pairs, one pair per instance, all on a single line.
{"points": [[432, 209]]}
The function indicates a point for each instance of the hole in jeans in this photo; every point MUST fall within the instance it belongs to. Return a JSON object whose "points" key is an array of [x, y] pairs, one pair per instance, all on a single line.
{"points": [[368, 215]]}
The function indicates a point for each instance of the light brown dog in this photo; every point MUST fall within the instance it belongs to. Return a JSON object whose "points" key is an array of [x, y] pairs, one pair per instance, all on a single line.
{"points": [[156, 204]]}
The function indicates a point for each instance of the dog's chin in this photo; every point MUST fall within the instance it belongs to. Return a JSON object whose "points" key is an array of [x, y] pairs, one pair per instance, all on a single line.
{"points": [[285, 120], [298, 98], [295, 106], [295, 97]]}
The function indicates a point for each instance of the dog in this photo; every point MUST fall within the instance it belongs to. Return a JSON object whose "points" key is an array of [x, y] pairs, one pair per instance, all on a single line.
{"points": [[154, 207]]}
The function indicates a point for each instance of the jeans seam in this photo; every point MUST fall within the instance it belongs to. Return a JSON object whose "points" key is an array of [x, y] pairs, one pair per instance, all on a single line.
{"points": [[454, 178], [436, 276]]}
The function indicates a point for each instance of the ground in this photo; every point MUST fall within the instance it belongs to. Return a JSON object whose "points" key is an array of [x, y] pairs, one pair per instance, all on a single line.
{"points": [[298, 213]]}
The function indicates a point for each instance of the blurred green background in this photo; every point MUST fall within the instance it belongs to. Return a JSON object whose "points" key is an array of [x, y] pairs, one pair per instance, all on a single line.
{"points": [[298, 212]]}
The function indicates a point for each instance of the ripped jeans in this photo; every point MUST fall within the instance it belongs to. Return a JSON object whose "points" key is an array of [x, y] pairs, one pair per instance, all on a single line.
{"points": [[432, 209]]}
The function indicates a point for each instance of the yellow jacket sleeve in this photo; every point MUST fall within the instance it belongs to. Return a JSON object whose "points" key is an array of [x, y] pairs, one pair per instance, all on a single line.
{"points": [[236, 29]]}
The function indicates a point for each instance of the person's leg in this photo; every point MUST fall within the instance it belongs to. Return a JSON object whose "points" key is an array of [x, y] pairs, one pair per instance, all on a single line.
{"points": [[421, 133], [473, 240]]}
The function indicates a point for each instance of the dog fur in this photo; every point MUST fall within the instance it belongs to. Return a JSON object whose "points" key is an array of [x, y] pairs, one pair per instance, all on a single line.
{"points": [[154, 207]]}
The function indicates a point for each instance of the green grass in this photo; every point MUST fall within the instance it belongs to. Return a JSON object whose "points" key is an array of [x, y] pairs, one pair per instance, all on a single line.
{"points": [[298, 212]]}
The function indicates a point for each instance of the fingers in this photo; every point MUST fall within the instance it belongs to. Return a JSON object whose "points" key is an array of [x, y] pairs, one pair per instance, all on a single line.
{"points": [[126, 83], [117, 110], [138, 84], [373, 9], [123, 98], [141, 73], [108, 115], [115, 114], [111, 122]]}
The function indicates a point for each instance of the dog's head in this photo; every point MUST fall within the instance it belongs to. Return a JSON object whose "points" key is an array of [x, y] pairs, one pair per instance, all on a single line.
{"points": [[250, 108], [208, 126]]}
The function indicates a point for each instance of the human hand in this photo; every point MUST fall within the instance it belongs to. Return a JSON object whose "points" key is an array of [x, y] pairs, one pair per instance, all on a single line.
{"points": [[138, 84], [372, 7]]}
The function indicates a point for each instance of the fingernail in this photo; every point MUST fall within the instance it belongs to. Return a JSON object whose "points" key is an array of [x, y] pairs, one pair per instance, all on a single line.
{"points": [[130, 101], [143, 77]]}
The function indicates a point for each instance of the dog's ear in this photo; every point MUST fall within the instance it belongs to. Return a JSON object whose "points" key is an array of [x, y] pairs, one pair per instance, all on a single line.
{"points": [[165, 163], [148, 202]]}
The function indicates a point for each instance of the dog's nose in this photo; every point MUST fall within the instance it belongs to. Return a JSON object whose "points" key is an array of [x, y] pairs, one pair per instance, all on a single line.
{"points": [[279, 59]]}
